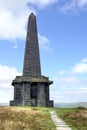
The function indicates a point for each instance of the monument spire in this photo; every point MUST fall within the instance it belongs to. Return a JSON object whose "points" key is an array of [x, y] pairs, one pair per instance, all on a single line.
{"points": [[31, 89], [31, 59]]}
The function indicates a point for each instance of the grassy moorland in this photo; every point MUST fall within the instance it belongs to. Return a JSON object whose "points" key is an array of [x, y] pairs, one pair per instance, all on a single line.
{"points": [[76, 118], [18, 118], [36, 118]]}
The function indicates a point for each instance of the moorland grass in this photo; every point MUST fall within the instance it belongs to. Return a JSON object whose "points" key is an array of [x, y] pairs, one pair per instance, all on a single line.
{"points": [[38, 118], [19, 118], [76, 118]]}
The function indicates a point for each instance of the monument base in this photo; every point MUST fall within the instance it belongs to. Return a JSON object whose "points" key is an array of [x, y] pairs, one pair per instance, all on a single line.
{"points": [[31, 91]]}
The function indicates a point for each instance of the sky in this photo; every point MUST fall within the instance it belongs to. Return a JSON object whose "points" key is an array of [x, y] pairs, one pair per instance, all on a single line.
{"points": [[62, 34]]}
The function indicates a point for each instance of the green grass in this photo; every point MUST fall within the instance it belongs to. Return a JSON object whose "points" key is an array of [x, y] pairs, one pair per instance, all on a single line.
{"points": [[19, 118], [38, 118], [76, 118]]}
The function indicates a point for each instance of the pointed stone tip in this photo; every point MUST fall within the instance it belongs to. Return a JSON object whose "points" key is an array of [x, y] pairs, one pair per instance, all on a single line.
{"points": [[32, 14]]}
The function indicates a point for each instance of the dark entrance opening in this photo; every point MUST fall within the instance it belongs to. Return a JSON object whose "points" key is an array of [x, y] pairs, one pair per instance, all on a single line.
{"points": [[34, 91]]}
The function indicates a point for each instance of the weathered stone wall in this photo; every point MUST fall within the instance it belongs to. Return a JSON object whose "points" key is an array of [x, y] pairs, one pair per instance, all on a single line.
{"points": [[41, 95], [31, 93]]}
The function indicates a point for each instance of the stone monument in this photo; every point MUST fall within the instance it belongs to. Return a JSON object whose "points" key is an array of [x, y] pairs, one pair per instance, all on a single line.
{"points": [[31, 89]]}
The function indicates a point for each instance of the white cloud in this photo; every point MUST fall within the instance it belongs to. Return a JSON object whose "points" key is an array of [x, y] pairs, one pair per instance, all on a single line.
{"points": [[14, 15], [69, 96], [79, 91], [68, 7], [72, 86], [44, 43], [80, 67], [68, 80], [7, 74], [13, 18], [73, 6], [84, 60], [43, 3], [62, 72], [82, 3], [69, 89], [6, 96]]}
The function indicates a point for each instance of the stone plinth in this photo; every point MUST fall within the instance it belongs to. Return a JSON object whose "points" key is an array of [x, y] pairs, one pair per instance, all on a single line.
{"points": [[31, 91]]}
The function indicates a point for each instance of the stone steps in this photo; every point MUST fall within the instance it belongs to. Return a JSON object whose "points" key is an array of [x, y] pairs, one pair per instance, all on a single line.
{"points": [[60, 124]]}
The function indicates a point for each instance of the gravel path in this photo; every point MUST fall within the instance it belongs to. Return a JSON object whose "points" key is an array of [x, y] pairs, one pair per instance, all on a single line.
{"points": [[60, 124]]}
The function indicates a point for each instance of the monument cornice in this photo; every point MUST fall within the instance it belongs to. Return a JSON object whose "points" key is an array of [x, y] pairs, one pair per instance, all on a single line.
{"points": [[32, 79]]}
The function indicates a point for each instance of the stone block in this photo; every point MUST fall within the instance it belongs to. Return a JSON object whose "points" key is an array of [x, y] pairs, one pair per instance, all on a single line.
{"points": [[27, 103], [50, 104], [12, 103], [42, 103]]}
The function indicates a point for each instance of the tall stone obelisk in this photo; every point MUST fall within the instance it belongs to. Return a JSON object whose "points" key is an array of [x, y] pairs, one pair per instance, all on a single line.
{"points": [[31, 59], [31, 89]]}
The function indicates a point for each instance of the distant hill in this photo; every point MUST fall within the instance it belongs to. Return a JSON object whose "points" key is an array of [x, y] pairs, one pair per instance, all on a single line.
{"points": [[71, 105], [61, 105], [4, 104]]}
